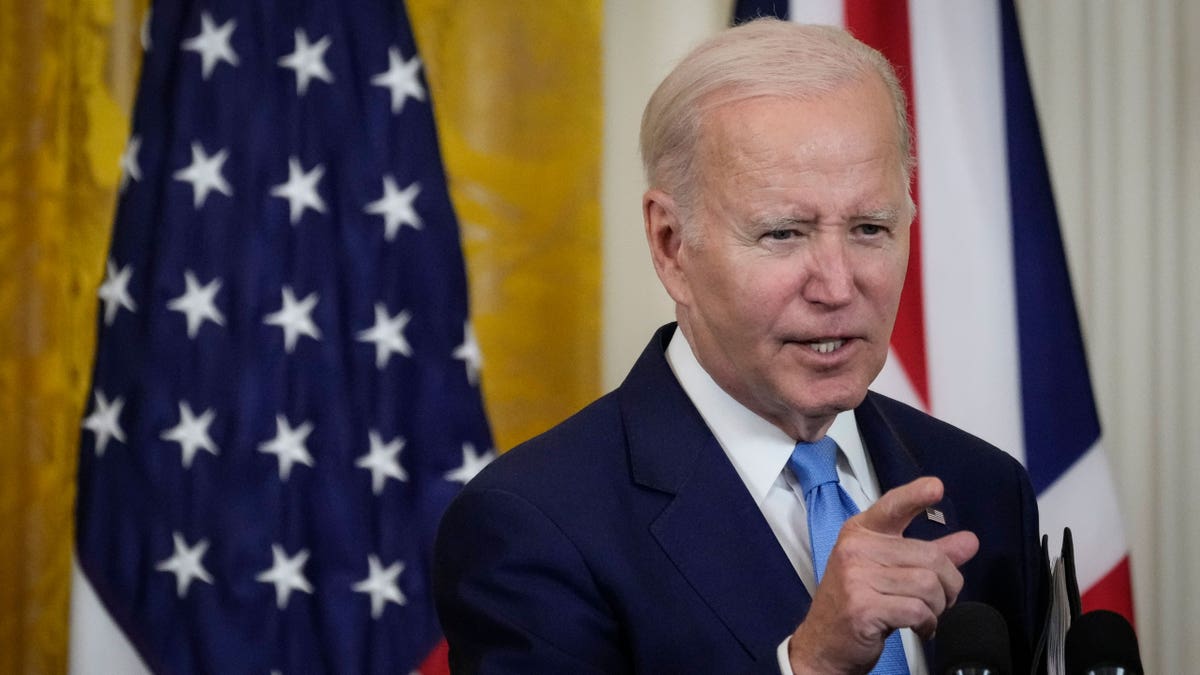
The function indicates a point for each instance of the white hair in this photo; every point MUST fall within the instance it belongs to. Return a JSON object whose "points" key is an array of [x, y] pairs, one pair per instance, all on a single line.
{"points": [[764, 57]]}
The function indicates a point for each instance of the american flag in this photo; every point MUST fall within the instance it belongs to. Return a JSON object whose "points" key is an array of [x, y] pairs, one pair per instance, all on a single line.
{"points": [[286, 387]]}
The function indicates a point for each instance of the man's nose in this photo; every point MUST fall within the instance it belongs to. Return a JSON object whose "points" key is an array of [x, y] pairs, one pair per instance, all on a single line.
{"points": [[830, 278]]}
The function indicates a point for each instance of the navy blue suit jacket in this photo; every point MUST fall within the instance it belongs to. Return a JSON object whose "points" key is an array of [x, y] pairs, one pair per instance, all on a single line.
{"points": [[623, 540]]}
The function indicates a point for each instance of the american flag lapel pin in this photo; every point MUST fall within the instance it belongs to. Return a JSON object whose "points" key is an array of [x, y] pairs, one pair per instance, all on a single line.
{"points": [[935, 515]]}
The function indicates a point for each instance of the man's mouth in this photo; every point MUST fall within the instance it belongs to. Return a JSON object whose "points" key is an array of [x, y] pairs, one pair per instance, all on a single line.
{"points": [[825, 346]]}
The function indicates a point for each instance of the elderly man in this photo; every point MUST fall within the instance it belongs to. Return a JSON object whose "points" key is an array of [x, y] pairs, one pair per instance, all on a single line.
{"points": [[686, 522]]}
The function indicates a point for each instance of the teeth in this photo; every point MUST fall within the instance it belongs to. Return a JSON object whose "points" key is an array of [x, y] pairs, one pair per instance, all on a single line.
{"points": [[826, 347]]}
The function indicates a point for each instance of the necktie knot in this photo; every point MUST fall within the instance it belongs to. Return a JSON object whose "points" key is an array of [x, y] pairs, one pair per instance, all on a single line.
{"points": [[815, 463]]}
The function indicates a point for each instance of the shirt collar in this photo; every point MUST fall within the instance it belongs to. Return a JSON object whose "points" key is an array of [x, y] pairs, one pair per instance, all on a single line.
{"points": [[758, 449]]}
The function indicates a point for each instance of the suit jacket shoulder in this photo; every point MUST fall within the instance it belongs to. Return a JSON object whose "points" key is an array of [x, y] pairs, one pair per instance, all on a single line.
{"points": [[622, 540]]}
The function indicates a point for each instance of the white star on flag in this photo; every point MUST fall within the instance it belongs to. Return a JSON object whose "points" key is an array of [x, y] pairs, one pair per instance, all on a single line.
{"points": [[212, 44], [198, 303], [387, 334], [401, 79], [105, 421], [470, 354], [114, 292], [308, 61], [191, 433], [204, 173], [381, 584], [287, 574], [130, 169], [288, 445], [300, 190], [396, 207], [186, 564], [295, 318], [472, 464], [383, 460]]}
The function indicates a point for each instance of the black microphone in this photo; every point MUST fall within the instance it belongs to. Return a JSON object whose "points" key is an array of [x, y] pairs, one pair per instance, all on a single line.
{"points": [[972, 639], [1101, 642]]}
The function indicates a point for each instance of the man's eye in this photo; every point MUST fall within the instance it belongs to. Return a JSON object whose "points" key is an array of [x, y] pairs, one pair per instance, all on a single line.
{"points": [[871, 229], [781, 235]]}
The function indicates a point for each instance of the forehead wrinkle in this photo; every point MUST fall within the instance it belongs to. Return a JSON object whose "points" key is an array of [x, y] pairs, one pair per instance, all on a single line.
{"points": [[737, 155], [738, 152]]}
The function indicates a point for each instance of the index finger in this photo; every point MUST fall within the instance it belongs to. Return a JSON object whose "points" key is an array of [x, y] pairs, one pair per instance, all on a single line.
{"points": [[898, 506]]}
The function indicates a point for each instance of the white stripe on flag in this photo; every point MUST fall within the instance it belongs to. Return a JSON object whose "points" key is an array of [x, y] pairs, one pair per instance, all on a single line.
{"points": [[1083, 499], [98, 647], [970, 315], [893, 381], [829, 12]]}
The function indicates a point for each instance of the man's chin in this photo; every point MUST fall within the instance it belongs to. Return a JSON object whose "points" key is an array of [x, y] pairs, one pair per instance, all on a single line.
{"points": [[828, 404]]}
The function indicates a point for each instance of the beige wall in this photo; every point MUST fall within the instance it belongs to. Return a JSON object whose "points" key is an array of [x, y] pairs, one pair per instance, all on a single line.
{"points": [[642, 41]]}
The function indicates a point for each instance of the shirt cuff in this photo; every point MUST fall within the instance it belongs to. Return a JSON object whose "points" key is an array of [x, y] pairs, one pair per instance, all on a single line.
{"points": [[781, 654]]}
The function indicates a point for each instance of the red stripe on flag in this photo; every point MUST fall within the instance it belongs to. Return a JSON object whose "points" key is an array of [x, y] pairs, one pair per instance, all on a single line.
{"points": [[437, 663], [1114, 592], [884, 26]]}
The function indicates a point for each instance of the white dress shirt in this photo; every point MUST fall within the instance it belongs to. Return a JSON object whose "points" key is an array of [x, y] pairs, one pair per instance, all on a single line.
{"points": [[759, 452]]}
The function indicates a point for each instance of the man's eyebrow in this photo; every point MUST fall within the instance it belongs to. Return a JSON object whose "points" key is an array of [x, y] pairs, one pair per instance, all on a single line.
{"points": [[781, 222], [883, 215]]}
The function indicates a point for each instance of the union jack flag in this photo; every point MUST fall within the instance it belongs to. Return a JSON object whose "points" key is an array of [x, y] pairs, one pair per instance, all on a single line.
{"points": [[987, 336]]}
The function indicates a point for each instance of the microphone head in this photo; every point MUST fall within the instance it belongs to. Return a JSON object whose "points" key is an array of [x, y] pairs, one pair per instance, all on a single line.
{"points": [[972, 636], [1101, 639]]}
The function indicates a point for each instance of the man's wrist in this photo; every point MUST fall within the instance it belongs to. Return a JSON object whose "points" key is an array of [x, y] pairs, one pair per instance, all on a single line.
{"points": [[801, 661]]}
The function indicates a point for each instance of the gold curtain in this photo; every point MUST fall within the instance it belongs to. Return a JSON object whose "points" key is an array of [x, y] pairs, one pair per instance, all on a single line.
{"points": [[517, 93], [67, 73], [517, 88]]}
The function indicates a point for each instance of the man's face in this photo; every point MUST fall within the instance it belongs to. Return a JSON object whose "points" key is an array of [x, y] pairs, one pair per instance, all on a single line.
{"points": [[789, 296]]}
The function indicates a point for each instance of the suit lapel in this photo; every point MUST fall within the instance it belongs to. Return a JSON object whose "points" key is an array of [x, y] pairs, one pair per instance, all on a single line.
{"points": [[719, 540], [896, 464], [712, 530]]}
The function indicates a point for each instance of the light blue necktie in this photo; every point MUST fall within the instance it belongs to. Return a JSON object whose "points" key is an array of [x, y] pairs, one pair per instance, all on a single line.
{"points": [[815, 466]]}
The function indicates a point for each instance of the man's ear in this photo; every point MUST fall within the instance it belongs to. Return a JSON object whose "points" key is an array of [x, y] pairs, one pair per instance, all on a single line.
{"points": [[660, 214]]}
